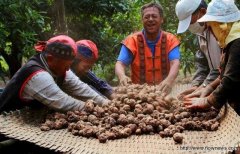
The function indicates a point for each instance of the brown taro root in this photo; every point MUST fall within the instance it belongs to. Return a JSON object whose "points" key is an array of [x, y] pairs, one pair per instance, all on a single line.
{"points": [[149, 129], [121, 111], [185, 114], [190, 125], [60, 123], [102, 138], [75, 132], [126, 132], [123, 97], [44, 127], [71, 126], [152, 95], [148, 109], [110, 121], [111, 135], [117, 131], [168, 99], [60, 116], [138, 131], [169, 116], [211, 125], [166, 133], [133, 127], [87, 131], [131, 95], [99, 111], [89, 106], [113, 109], [126, 108], [178, 137], [165, 123], [137, 111], [142, 126], [49, 123], [159, 108], [122, 120], [162, 103], [131, 119], [143, 97], [72, 117], [155, 114], [138, 106], [92, 118], [159, 128], [155, 103], [131, 103], [215, 126], [100, 130], [114, 116]]}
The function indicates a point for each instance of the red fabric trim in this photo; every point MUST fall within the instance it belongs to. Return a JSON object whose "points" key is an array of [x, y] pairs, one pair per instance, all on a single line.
{"points": [[24, 84]]}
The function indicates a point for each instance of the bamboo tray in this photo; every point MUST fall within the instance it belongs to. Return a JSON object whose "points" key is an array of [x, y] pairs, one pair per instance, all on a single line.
{"points": [[24, 125]]}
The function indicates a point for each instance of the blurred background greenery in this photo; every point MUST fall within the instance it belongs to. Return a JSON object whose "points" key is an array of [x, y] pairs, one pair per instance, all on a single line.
{"points": [[106, 22]]}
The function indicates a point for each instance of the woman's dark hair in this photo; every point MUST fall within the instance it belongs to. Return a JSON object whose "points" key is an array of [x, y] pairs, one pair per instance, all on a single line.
{"points": [[203, 4]]}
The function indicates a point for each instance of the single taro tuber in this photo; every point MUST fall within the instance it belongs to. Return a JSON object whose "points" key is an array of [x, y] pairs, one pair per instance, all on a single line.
{"points": [[89, 106], [44, 128], [178, 137], [103, 138]]}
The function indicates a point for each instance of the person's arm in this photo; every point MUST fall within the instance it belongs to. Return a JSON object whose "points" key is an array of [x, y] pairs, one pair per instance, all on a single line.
{"points": [[213, 75], [43, 88], [166, 84], [203, 91], [80, 90], [120, 70], [124, 59], [229, 84], [174, 68], [201, 78], [202, 69], [230, 81], [101, 86]]}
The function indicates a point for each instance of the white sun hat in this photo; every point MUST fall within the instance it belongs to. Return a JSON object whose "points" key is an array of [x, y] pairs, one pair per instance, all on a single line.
{"points": [[221, 11], [184, 10]]}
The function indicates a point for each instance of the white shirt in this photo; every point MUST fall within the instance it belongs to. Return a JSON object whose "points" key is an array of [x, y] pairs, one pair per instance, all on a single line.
{"points": [[43, 88]]}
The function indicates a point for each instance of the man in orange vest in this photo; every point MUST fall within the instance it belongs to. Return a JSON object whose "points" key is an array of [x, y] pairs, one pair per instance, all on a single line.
{"points": [[153, 53]]}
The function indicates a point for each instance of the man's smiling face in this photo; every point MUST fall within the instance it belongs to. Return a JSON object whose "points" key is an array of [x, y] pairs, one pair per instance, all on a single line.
{"points": [[151, 20]]}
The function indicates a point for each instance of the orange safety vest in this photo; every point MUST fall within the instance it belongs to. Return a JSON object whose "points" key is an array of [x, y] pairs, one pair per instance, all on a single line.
{"points": [[145, 67]]}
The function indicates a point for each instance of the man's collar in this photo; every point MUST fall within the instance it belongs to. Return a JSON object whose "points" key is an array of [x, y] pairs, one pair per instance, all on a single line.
{"points": [[159, 34], [46, 66]]}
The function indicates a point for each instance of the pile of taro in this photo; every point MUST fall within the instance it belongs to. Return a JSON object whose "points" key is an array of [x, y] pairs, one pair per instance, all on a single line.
{"points": [[136, 110]]}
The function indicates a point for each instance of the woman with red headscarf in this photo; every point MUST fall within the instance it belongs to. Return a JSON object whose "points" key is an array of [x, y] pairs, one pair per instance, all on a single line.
{"points": [[87, 55], [46, 79]]}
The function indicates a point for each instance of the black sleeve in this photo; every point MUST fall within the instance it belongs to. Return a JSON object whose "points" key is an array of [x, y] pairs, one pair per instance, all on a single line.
{"points": [[230, 82]]}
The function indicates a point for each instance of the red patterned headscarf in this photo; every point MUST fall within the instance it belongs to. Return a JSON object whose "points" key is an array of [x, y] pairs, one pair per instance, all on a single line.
{"points": [[62, 46], [87, 50]]}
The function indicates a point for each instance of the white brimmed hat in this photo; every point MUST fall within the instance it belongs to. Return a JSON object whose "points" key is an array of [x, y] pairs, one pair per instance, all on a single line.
{"points": [[184, 10], [221, 11]]}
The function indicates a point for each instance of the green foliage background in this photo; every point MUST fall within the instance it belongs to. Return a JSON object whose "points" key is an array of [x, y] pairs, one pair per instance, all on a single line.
{"points": [[106, 22]]}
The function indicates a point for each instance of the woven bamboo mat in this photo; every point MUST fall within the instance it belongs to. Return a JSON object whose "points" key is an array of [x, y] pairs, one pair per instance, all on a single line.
{"points": [[24, 125]]}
